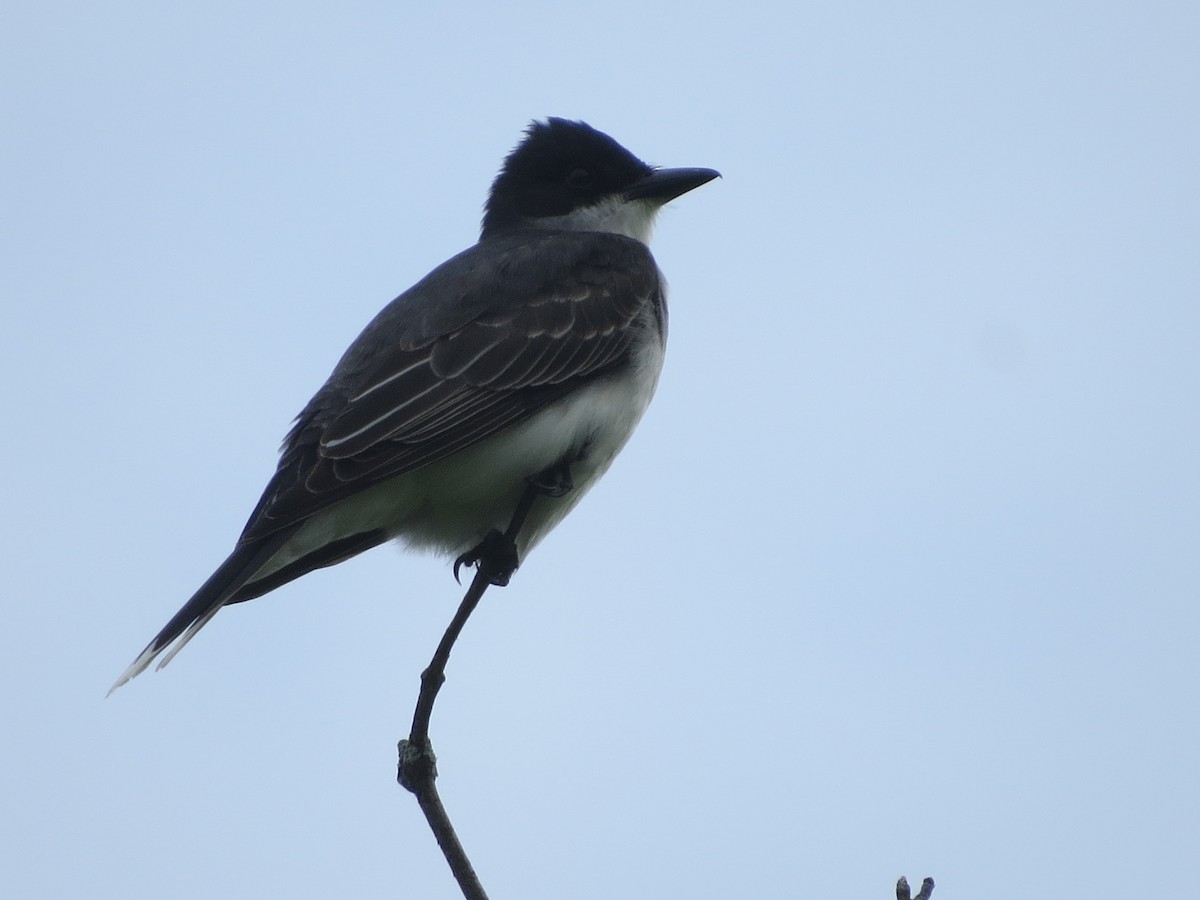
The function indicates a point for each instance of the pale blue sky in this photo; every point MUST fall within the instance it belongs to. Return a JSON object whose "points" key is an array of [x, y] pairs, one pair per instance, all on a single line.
{"points": [[899, 575]]}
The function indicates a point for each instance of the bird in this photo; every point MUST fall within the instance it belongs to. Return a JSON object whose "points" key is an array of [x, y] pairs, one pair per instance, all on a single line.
{"points": [[476, 409]]}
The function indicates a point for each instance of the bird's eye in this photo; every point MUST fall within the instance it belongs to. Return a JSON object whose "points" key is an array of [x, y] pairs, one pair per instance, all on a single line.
{"points": [[579, 178]]}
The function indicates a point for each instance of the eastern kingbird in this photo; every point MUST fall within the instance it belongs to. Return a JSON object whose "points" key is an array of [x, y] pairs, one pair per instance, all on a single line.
{"points": [[526, 360]]}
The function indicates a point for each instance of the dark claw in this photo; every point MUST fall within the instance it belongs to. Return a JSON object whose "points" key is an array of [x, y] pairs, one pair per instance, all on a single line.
{"points": [[496, 554]]}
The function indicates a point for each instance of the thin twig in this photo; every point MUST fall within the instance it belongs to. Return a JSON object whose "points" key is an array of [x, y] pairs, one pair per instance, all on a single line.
{"points": [[902, 890], [435, 675], [417, 769], [495, 560]]}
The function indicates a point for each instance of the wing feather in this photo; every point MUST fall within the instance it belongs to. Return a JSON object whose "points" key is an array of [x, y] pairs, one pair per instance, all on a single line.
{"points": [[482, 343]]}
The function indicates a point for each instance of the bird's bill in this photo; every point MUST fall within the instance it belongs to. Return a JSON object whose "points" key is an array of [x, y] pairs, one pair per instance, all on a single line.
{"points": [[663, 185]]}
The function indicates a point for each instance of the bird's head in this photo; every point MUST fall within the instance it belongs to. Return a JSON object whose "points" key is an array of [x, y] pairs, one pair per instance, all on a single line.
{"points": [[567, 175]]}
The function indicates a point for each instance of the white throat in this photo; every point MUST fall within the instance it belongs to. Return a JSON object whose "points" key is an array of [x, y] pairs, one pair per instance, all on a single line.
{"points": [[616, 215]]}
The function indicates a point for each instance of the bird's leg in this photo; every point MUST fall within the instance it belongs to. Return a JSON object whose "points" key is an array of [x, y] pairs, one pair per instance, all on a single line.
{"points": [[496, 554]]}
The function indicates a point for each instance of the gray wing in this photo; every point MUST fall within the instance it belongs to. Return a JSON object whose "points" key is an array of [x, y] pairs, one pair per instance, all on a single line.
{"points": [[482, 343]]}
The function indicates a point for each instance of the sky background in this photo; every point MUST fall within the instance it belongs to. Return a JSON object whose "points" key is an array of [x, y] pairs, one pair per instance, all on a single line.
{"points": [[899, 576]]}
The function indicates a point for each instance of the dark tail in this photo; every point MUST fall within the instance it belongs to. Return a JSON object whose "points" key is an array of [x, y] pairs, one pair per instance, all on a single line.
{"points": [[220, 589]]}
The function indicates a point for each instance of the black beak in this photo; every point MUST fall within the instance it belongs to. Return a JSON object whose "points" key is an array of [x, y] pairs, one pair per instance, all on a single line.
{"points": [[663, 185]]}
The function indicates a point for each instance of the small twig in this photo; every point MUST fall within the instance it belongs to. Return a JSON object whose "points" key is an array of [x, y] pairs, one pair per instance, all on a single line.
{"points": [[417, 769], [435, 675], [495, 560], [902, 892]]}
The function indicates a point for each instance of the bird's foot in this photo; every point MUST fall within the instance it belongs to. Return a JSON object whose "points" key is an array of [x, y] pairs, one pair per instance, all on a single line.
{"points": [[495, 556]]}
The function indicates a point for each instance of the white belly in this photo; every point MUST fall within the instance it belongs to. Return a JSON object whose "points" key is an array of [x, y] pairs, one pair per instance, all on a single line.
{"points": [[448, 506]]}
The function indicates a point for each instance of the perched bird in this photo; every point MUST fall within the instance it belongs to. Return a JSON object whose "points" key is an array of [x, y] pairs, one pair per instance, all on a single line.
{"points": [[509, 377]]}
